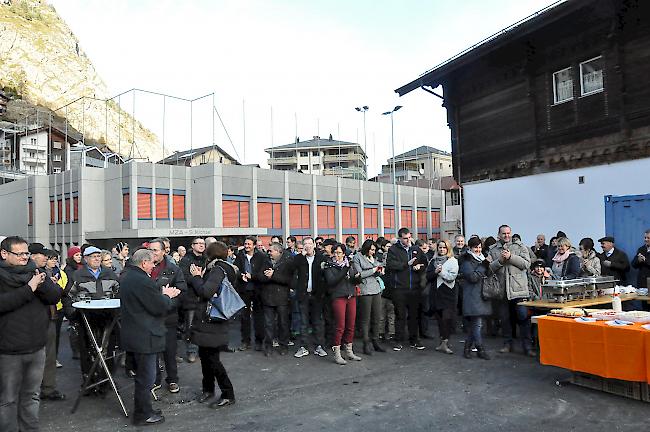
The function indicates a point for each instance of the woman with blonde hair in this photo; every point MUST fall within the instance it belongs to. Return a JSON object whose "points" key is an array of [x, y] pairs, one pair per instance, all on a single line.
{"points": [[441, 273], [566, 264]]}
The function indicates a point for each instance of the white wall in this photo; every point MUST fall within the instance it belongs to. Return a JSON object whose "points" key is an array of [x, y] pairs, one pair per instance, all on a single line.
{"points": [[546, 203]]}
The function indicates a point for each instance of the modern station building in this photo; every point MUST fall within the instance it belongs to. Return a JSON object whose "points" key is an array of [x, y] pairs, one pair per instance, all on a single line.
{"points": [[138, 201]]}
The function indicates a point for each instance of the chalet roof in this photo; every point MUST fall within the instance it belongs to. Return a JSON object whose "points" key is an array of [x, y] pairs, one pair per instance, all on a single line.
{"points": [[312, 143], [72, 134], [421, 151], [188, 154], [539, 19]]}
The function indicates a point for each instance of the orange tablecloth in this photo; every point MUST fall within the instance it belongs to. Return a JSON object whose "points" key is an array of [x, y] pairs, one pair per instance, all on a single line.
{"points": [[595, 348]]}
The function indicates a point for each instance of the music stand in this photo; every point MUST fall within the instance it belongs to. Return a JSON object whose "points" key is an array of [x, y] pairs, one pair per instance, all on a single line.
{"points": [[100, 360]]}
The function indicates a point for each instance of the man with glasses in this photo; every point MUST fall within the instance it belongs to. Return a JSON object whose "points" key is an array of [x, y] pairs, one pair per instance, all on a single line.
{"points": [[25, 297], [190, 301], [166, 273]]}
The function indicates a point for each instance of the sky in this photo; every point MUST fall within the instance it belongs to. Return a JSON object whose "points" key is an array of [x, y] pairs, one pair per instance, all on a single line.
{"points": [[284, 68]]}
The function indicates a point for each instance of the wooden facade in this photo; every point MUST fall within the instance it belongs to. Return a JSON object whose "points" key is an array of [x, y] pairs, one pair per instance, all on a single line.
{"points": [[564, 89]]}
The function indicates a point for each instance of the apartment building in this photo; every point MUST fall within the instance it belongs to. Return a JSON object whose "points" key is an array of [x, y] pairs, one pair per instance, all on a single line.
{"points": [[421, 163], [199, 156], [319, 156]]}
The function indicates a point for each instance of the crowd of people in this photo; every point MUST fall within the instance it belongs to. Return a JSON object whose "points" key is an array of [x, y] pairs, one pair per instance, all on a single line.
{"points": [[315, 295]]}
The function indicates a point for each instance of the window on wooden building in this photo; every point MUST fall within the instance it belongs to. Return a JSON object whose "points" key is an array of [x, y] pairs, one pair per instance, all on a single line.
{"points": [[562, 86], [591, 76]]}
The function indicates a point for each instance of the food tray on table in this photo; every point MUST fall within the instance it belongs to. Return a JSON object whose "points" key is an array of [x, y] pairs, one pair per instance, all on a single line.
{"points": [[604, 315], [568, 312]]}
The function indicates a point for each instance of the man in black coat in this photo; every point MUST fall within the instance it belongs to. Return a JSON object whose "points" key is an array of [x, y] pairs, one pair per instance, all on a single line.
{"points": [[25, 298], [310, 293], [613, 262], [641, 262], [144, 308], [250, 262], [407, 265], [189, 302], [276, 276], [167, 273]]}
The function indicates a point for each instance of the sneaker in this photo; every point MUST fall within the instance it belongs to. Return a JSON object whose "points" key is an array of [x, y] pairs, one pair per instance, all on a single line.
{"points": [[153, 391], [397, 347], [507, 348], [58, 365], [275, 343], [301, 352], [320, 352], [417, 345], [244, 346], [173, 387], [291, 343], [191, 357]]}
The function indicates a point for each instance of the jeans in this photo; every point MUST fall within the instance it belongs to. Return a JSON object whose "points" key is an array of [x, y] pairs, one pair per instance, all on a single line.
{"points": [[446, 319], [311, 311], [345, 311], [282, 314], [213, 369], [474, 333], [387, 318], [169, 357], [49, 372], [190, 316], [407, 304], [145, 375], [510, 309], [371, 310], [20, 381], [254, 305]]}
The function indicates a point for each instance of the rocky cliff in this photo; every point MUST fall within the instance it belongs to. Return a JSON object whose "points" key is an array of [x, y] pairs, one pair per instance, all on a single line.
{"points": [[41, 61]]}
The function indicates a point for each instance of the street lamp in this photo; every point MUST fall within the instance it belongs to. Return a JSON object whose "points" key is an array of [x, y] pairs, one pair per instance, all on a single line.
{"points": [[363, 110], [392, 143]]}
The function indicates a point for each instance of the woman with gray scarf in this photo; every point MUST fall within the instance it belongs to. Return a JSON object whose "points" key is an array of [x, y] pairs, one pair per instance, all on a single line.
{"points": [[441, 273], [474, 268]]}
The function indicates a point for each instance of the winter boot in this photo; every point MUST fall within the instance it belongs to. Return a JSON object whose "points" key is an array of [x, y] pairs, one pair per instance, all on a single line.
{"points": [[482, 354], [349, 354], [337, 355], [377, 347], [444, 347], [366, 348], [467, 350]]}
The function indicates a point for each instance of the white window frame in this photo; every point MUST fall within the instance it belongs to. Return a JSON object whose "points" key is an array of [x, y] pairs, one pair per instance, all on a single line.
{"points": [[582, 91], [555, 100]]}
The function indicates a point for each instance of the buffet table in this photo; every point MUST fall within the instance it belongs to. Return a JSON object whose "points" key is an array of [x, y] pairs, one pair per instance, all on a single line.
{"points": [[546, 304], [596, 348]]}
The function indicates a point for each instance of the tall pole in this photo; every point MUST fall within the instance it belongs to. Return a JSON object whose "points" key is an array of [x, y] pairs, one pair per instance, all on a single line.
{"points": [[365, 143], [392, 143]]}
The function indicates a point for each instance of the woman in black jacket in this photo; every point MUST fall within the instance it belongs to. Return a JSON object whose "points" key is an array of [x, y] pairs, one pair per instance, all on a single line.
{"points": [[341, 278], [212, 337]]}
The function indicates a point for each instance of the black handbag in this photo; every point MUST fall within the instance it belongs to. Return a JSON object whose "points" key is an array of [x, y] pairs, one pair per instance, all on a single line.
{"points": [[491, 288]]}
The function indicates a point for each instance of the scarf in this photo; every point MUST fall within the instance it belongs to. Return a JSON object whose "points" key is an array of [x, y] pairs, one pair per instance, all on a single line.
{"points": [[439, 260], [344, 263], [477, 257], [16, 276], [558, 258]]}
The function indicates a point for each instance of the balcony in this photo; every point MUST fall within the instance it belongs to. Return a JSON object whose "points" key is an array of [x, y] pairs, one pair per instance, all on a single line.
{"points": [[291, 160], [350, 157], [352, 172]]}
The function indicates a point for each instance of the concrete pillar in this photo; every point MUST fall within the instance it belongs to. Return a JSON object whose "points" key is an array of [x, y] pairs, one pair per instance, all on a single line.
{"points": [[188, 197], [133, 197], [153, 195], [314, 207], [361, 218], [286, 227], [338, 216], [380, 211], [254, 218], [170, 200], [218, 195]]}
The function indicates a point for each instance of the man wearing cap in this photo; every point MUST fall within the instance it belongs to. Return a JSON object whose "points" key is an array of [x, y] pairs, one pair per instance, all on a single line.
{"points": [[613, 261], [40, 255], [94, 281], [25, 296]]}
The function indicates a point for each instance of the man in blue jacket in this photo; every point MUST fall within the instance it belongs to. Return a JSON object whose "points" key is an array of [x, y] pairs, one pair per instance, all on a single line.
{"points": [[144, 307], [25, 297]]}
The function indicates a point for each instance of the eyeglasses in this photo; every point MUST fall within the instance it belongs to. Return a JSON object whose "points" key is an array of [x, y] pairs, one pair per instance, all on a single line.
{"points": [[21, 254]]}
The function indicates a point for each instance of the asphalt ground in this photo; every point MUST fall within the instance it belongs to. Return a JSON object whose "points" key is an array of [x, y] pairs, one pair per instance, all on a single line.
{"points": [[394, 391]]}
